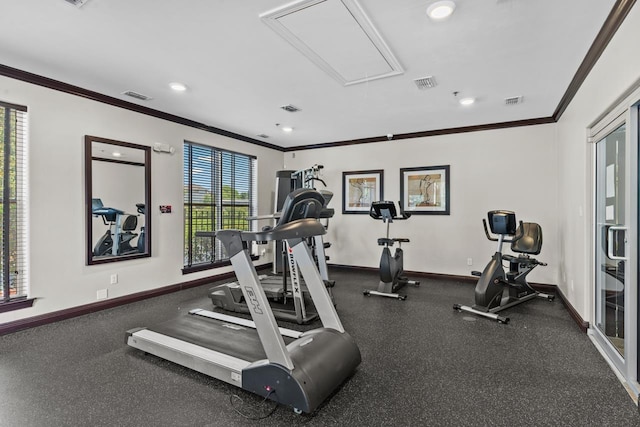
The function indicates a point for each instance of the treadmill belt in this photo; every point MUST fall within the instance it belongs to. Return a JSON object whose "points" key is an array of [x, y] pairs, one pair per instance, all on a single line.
{"points": [[228, 338]]}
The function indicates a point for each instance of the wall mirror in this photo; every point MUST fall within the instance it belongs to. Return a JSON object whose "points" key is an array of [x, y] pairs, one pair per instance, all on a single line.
{"points": [[118, 198]]}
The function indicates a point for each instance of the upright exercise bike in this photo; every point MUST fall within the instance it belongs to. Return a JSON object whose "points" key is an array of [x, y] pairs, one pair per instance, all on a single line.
{"points": [[496, 289], [392, 277]]}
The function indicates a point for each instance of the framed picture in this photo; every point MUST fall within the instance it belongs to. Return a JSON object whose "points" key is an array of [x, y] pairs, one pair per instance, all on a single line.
{"points": [[425, 190], [359, 189]]}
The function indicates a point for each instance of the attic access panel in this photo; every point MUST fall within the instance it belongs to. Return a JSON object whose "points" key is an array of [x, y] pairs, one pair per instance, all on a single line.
{"points": [[337, 36]]}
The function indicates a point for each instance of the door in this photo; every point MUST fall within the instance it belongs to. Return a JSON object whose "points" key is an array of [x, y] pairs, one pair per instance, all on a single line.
{"points": [[612, 239]]}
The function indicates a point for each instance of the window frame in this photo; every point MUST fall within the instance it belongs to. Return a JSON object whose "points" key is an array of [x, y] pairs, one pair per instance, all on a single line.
{"points": [[221, 171], [14, 192]]}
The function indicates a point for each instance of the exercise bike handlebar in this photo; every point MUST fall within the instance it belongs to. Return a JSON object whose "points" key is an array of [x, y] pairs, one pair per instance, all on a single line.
{"points": [[518, 236]]}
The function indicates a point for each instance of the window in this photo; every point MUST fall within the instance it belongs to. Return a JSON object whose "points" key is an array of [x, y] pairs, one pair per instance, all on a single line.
{"points": [[219, 193], [13, 235]]}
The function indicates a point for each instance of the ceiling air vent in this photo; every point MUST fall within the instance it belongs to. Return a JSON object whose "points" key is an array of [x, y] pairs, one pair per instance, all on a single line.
{"points": [[425, 82], [77, 3], [290, 108], [513, 100], [262, 135], [136, 95]]}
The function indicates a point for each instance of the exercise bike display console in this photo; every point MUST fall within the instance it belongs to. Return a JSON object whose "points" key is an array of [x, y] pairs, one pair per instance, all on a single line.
{"points": [[496, 289], [392, 277]]}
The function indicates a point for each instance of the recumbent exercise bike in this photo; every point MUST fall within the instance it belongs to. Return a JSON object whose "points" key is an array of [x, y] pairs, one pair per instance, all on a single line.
{"points": [[392, 277], [496, 289], [121, 227]]}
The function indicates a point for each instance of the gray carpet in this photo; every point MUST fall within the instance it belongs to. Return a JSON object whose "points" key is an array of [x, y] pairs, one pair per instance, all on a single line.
{"points": [[424, 364]]}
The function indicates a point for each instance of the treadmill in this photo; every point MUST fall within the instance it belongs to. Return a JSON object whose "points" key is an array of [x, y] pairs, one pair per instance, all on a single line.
{"points": [[298, 370], [290, 300]]}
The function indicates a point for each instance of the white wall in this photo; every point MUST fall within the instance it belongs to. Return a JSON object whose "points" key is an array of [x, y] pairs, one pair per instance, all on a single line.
{"points": [[514, 169], [59, 278], [615, 71]]}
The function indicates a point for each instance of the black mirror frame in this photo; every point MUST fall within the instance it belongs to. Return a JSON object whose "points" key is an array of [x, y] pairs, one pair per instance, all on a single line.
{"points": [[88, 171]]}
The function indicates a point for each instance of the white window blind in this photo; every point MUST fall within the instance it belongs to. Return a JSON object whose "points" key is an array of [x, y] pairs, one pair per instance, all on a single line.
{"points": [[219, 193], [13, 207]]}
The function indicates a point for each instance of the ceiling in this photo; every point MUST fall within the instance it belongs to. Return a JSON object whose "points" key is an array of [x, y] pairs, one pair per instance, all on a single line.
{"points": [[239, 71]]}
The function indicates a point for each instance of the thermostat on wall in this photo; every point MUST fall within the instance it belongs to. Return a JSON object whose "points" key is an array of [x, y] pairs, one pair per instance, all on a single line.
{"points": [[165, 208]]}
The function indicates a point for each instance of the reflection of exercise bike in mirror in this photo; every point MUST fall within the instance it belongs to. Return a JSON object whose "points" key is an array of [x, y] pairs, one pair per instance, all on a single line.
{"points": [[140, 207], [496, 289], [121, 227], [392, 277]]}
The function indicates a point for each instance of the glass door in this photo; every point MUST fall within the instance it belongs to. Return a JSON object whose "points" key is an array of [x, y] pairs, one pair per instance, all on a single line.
{"points": [[611, 237]]}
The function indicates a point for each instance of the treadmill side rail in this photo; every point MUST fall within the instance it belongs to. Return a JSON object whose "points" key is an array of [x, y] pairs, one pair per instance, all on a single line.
{"points": [[209, 362]]}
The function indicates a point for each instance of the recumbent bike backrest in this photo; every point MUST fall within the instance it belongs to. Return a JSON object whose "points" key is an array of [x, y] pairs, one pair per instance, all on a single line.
{"points": [[531, 241]]}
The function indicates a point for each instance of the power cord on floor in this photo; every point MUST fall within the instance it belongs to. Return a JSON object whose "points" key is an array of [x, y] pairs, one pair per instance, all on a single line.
{"points": [[249, 417]]}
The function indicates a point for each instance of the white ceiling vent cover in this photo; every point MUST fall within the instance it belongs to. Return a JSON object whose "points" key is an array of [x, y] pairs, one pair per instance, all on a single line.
{"points": [[514, 100], [337, 36], [290, 108], [425, 83], [77, 3], [137, 95]]}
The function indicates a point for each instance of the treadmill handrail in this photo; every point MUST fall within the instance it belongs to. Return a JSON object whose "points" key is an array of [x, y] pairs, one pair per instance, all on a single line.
{"points": [[298, 229]]}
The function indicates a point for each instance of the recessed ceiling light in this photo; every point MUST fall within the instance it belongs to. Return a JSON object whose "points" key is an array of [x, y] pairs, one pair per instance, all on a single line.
{"points": [[177, 86], [116, 154], [287, 129], [467, 101], [441, 10]]}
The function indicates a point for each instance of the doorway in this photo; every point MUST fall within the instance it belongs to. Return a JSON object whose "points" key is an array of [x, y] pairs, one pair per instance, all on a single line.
{"points": [[615, 236]]}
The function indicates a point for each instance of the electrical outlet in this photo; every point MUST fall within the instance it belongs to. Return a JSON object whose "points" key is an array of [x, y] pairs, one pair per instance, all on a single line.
{"points": [[469, 261], [102, 294], [114, 279]]}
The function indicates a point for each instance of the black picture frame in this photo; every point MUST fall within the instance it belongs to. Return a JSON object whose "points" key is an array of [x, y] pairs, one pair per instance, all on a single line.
{"points": [[426, 190], [359, 189]]}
